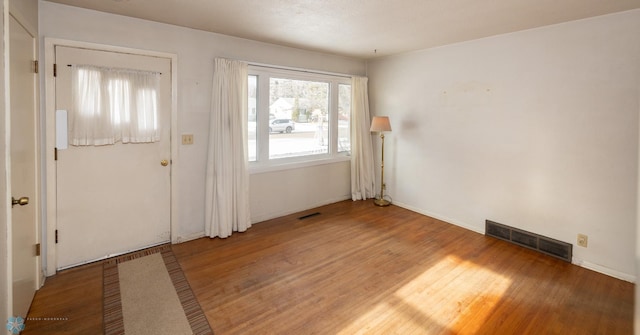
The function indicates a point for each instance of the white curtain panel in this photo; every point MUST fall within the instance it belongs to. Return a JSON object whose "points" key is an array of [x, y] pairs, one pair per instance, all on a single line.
{"points": [[362, 168], [113, 105], [227, 178]]}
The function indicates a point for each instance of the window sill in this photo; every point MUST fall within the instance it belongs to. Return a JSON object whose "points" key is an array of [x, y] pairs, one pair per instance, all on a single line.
{"points": [[274, 166]]}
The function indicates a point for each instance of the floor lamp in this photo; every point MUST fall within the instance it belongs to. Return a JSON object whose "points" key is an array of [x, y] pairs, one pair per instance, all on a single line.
{"points": [[380, 124]]}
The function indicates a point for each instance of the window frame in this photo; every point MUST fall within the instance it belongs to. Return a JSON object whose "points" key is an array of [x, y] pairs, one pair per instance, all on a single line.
{"points": [[263, 163]]}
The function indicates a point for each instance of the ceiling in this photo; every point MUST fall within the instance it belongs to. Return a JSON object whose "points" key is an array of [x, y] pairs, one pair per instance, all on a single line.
{"points": [[359, 28]]}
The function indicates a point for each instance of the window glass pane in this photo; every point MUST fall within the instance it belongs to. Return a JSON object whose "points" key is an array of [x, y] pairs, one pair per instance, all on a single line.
{"points": [[252, 118], [344, 117], [298, 118]]}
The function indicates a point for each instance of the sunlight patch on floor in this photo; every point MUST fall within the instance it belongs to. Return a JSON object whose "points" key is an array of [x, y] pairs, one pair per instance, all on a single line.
{"points": [[452, 292]]}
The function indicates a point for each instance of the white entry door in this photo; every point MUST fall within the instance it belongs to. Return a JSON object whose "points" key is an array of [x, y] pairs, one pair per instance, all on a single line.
{"points": [[112, 199], [24, 173]]}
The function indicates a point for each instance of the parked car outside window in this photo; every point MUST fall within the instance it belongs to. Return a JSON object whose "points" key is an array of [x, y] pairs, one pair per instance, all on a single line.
{"points": [[282, 126]]}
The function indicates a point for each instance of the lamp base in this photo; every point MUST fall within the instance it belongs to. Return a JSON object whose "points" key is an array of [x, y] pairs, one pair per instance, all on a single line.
{"points": [[381, 202]]}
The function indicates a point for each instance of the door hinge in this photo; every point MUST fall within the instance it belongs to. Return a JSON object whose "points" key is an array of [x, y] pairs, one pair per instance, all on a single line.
{"points": [[55, 70], [56, 236], [55, 154], [38, 249], [35, 66]]}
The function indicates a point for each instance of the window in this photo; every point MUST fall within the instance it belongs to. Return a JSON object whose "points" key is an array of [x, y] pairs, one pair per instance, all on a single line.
{"points": [[297, 116], [344, 116]]}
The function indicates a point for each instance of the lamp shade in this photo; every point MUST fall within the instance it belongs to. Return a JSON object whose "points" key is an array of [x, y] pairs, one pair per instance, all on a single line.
{"points": [[380, 124]]}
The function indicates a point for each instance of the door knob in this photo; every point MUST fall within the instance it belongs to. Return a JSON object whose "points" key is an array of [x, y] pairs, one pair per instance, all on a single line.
{"points": [[164, 162], [22, 201]]}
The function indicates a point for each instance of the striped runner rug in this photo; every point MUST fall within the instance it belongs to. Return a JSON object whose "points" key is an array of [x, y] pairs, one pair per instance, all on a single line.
{"points": [[146, 283]]}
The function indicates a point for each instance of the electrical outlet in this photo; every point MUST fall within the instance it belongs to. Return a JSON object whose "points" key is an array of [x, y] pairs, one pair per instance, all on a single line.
{"points": [[187, 139], [583, 240]]}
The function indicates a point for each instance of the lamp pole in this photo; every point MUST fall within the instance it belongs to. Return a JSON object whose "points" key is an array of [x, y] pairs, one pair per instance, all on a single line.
{"points": [[381, 202], [381, 124]]}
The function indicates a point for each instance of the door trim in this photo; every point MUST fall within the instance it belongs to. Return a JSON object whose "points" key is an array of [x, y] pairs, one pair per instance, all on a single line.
{"points": [[51, 184]]}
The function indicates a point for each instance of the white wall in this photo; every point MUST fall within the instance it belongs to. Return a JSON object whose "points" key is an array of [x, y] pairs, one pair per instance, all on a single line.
{"points": [[312, 184], [535, 129], [196, 51]]}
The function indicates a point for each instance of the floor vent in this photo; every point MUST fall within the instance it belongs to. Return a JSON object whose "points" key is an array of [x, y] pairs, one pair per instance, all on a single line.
{"points": [[545, 245], [308, 216]]}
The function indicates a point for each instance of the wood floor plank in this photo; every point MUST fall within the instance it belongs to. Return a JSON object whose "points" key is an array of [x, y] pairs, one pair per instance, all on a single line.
{"points": [[68, 303], [360, 269]]}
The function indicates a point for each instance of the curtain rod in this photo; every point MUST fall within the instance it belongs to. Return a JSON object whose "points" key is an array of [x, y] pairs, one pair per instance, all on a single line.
{"points": [[278, 67], [104, 67]]}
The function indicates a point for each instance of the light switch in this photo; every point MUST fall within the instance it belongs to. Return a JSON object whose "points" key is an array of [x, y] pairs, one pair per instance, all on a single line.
{"points": [[187, 139]]}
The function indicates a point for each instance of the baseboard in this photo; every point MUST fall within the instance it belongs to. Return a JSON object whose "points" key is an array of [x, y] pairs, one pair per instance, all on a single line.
{"points": [[604, 270], [441, 218], [269, 216], [182, 239], [265, 217], [576, 261]]}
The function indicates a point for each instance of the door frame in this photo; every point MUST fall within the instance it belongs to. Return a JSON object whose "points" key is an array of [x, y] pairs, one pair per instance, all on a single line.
{"points": [[50, 102]]}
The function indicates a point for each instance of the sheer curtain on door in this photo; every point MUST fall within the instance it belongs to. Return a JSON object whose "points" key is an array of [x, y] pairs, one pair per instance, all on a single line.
{"points": [[113, 105], [362, 170], [227, 178]]}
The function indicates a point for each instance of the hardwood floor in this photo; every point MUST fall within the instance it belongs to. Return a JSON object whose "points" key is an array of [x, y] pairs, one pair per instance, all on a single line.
{"points": [[357, 268]]}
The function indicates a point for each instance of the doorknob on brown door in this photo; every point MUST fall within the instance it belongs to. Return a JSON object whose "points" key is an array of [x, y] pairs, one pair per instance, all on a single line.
{"points": [[22, 201], [164, 162]]}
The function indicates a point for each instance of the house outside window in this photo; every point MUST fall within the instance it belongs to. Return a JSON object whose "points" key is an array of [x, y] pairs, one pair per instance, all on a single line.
{"points": [[296, 116]]}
